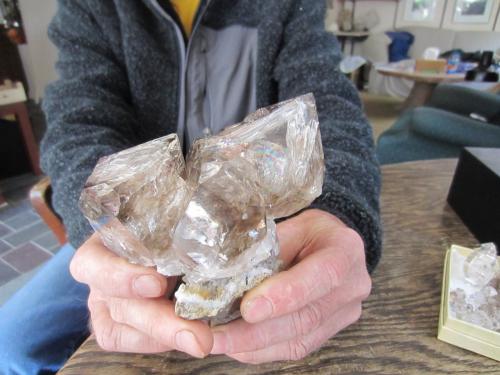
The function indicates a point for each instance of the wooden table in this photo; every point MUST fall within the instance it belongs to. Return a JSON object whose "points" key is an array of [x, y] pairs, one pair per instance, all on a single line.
{"points": [[397, 332], [424, 84], [20, 111]]}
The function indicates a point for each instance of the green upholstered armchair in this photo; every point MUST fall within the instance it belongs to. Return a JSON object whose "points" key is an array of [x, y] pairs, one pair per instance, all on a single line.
{"points": [[453, 118]]}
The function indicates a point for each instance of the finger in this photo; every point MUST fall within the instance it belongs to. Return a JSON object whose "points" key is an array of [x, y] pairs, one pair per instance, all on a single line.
{"points": [[97, 266], [157, 318], [116, 337], [241, 336], [299, 347], [291, 238], [313, 277], [295, 234]]}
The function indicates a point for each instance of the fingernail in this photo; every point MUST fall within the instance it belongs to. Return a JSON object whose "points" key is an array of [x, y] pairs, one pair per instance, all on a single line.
{"points": [[258, 309], [187, 343], [220, 342], [147, 286]]}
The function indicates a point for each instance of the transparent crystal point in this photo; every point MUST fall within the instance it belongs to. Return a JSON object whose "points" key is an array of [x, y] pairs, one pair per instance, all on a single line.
{"points": [[481, 265]]}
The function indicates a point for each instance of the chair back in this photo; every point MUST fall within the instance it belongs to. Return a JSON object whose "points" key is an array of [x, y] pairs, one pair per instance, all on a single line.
{"points": [[41, 200]]}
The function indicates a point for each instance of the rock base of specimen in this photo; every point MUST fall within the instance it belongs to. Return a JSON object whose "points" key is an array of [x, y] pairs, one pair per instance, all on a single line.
{"points": [[211, 218], [219, 299]]}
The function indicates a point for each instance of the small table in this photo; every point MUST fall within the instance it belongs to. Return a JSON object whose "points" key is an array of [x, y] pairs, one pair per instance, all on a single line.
{"points": [[398, 329], [20, 111], [424, 83]]}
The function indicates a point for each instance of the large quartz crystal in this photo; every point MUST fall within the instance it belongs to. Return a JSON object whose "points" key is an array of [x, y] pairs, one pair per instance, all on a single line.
{"points": [[211, 219]]}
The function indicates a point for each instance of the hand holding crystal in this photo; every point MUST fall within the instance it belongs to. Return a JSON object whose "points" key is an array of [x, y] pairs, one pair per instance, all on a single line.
{"points": [[210, 219], [128, 310], [294, 312]]}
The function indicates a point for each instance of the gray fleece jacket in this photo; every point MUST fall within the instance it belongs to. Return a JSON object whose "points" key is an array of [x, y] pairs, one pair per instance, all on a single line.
{"points": [[128, 74]]}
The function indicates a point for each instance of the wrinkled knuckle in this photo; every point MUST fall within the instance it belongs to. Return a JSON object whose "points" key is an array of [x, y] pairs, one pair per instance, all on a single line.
{"points": [[332, 272], [298, 350], [151, 328], [308, 319], [297, 324], [99, 338], [109, 337], [116, 309], [116, 285], [101, 341], [299, 291], [259, 338]]}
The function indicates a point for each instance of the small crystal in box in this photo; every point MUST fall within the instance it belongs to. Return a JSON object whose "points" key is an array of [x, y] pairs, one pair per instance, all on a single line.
{"points": [[470, 303]]}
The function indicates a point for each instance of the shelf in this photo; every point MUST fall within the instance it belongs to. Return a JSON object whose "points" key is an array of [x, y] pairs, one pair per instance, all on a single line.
{"points": [[352, 34]]}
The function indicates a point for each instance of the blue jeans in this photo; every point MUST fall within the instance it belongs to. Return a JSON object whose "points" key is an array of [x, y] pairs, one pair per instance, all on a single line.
{"points": [[45, 321]]}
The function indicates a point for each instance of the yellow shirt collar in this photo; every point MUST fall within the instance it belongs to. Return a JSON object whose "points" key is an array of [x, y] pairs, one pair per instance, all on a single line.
{"points": [[186, 11]]}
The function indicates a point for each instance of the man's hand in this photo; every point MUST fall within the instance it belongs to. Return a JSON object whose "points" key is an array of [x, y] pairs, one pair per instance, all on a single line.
{"points": [[286, 317], [294, 312], [129, 312]]}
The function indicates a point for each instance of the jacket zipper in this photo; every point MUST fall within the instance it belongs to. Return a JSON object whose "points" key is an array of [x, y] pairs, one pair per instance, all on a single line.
{"points": [[184, 57]]}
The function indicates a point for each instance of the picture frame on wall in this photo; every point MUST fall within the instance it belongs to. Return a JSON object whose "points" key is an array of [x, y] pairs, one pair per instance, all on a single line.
{"points": [[472, 15], [427, 13], [472, 11], [497, 25]]}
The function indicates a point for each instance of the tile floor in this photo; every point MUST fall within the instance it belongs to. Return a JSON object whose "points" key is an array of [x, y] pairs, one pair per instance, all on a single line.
{"points": [[25, 241]]}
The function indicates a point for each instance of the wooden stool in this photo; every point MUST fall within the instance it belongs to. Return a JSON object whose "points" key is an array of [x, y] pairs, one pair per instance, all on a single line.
{"points": [[20, 111]]}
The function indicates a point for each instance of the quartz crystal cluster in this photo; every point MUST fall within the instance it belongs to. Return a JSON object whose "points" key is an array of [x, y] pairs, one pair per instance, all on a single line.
{"points": [[210, 219], [480, 303]]}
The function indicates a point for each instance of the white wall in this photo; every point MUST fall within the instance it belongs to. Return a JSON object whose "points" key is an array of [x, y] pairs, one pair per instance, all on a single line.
{"points": [[38, 55], [386, 10]]}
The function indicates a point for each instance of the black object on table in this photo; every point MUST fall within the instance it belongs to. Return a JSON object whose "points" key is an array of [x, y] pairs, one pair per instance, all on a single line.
{"points": [[475, 192]]}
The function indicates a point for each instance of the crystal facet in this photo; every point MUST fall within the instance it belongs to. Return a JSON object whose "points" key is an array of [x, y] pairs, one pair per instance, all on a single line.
{"points": [[480, 266], [211, 220], [134, 198]]}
